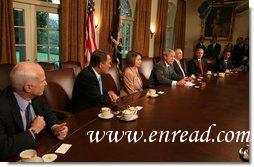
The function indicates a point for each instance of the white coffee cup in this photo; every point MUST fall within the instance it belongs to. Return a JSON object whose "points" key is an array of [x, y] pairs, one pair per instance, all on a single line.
{"points": [[105, 111], [227, 71], [209, 72], [26, 155], [128, 114], [221, 74], [152, 92]]}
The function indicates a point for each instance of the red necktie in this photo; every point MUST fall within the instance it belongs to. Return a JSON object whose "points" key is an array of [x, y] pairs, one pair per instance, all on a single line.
{"points": [[200, 67]]}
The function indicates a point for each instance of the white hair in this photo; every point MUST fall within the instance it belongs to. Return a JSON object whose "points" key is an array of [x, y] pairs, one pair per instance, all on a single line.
{"points": [[24, 73]]}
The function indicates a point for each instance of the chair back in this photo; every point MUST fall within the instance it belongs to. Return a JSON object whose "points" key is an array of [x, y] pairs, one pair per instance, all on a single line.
{"points": [[58, 92], [47, 66], [156, 59], [115, 74], [76, 66], [146, 69]]}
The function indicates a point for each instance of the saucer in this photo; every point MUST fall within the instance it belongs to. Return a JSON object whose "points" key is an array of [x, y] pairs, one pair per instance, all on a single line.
{"points": [[244, 152], [160, 92], [154, 95], [134, 117], [107, 117], [139, 108], [49, 157]]}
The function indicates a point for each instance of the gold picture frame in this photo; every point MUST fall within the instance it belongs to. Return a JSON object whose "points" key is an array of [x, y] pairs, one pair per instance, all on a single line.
{"points": [[219, 22]]}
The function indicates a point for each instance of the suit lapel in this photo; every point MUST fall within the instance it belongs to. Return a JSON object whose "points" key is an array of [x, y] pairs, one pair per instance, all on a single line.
{"points": [[177, 67], [15, 110]]}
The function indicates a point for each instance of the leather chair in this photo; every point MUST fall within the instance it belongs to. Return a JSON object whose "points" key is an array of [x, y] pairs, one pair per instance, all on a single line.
{"points": [[156, 59], [47, 66], [76, 66], [115, 74], [58, 92], [146, 69], [5, 70], [109, 83]]}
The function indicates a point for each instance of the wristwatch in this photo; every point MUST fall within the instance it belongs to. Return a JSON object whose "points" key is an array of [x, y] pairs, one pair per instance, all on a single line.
{"points": [[33, 132]]}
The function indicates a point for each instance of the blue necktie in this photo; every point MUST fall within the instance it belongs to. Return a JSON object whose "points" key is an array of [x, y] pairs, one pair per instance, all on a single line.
{"points": [[100, 84]]}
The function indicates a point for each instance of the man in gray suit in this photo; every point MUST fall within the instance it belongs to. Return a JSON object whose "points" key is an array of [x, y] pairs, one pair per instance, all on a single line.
{"points": [[163, 72]]}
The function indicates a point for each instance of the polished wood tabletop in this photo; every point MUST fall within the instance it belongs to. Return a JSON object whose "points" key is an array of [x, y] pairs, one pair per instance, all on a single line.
{"points": [[223, 105]]}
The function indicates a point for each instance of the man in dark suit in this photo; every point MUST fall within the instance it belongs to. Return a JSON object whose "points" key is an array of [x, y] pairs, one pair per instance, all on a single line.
{"points": [[213, 50], [23, 112], [224, 62], [238, 53], [89, 89], [163, 72], [197, 66], [178, 67]]}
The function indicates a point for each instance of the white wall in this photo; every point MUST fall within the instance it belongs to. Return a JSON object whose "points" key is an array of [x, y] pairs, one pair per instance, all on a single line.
{"points": [[193, 27]]}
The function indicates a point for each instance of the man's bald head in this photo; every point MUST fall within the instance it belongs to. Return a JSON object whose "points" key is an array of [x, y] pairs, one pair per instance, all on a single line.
{"points": [[25, 73]]}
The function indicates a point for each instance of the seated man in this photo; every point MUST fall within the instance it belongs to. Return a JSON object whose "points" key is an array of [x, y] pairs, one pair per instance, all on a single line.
{"points": [[225, 62], [163, 72], [89, 90], [23, 112], [178, 67], [197, 66]]}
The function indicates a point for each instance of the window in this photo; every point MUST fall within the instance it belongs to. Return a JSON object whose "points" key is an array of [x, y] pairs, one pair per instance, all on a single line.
{"points": [[19, 27], [47, 36], [126, 26], [36, 24], [169, 44]]}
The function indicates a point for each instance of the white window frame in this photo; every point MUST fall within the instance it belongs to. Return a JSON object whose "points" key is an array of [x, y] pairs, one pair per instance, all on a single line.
{"points": [[30, 7]]}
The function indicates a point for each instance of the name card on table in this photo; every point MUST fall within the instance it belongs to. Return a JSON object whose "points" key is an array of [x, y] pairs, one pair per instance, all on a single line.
{"points": [[63, 148]]}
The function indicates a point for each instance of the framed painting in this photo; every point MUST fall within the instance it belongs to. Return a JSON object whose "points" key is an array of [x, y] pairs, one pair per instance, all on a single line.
{"points": [[219, 22]]}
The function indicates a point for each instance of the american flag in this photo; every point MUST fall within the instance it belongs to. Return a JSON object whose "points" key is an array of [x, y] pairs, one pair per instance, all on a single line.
{"points": [[90, 43]]}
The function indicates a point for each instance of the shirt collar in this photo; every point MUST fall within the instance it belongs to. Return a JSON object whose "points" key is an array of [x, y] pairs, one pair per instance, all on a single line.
{"points": [[178, 61], [98, 76], [167, 65], [21, 102]]}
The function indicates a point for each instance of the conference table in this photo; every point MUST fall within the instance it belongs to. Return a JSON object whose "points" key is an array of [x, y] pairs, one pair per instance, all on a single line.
{"points": [[221, 105]]}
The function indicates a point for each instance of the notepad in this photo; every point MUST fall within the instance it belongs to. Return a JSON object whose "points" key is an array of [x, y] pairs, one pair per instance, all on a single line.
{"points": [[63, 148]]}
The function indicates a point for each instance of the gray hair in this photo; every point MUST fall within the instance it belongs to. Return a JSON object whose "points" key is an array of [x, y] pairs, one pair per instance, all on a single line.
{"points": [[178, 50], [200, 49], [24, 73], [168, 51]]}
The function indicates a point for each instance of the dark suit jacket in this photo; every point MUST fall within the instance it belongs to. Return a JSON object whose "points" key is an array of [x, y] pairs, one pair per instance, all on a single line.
{"points": [[86, 91], [13, 138], [237, 55], [177, 69], [161, 74], [194, 67], [202, 47], [221, 66], [213, 52]]}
